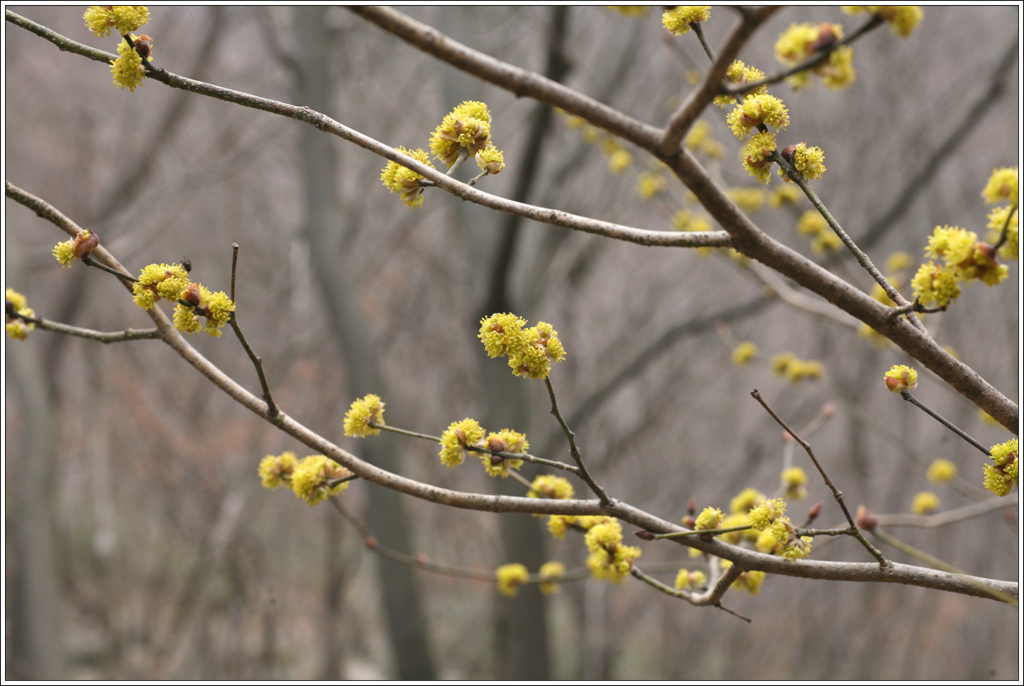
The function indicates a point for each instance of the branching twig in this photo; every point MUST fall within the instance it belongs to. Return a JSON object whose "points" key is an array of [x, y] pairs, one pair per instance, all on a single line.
{"points": [[710, 598], [574, 450], [854, 531], [99, 336], [810, 63]]}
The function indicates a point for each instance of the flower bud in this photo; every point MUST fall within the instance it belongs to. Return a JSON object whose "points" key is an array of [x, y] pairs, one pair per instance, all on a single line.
{"points": [[85, 243], [865, 520], [144, 44]]}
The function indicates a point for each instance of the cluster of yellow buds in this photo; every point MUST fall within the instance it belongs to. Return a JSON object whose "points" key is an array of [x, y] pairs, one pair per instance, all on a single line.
{"points": [[313, 479]]}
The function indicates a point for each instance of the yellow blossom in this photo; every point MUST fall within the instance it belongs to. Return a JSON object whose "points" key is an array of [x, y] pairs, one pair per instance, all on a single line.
{"points": [[940, 471], [369, 408], [925, 502], [743, 353], [312, 477], [678, 19], [404, 181], [901, 378], [549, 574]]}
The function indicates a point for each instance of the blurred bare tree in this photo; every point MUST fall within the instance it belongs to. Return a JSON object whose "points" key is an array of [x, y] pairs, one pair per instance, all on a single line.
{"points": [[139, 544]]}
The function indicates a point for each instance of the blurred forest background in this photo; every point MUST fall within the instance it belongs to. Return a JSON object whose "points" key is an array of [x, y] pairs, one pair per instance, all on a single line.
{"points": [[139, 544]]}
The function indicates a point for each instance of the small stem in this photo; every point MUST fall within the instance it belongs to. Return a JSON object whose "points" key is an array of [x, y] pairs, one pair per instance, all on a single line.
{"points": [[102, 267], [699, 32], [100, 336], [854, 531], [939, 564], [945, 422], [234, 268], [1006, 227], [861, 256], [472, 182], [272, 410], [574, 450], [810, 63], [694, 532], [526, 457], [463, 156]]}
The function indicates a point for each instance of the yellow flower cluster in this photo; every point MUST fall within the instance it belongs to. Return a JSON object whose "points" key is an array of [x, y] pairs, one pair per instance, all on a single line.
{"points": [[550, 486], [531, 352], [127, 69], [778, 533], [1002, 187], [510, 578], [965, 259], [925, 502], [685, 580], [802, 41], [678, 19], [824, 239], [1001, 476], [758, 109], [743, 353], [941, 470], [756, 156], [464, 130], [609, 558], [750, 200], [457, 438], [902, 19], [809, 161], [749, 581], [313, 479], [405, 181], [80, 246], [796, 370], [794, 480], [122, 18], [364, 411], [739, 74], [901, 378], [700, 139], [18, 328], [171, 282], [709, 518], [784, 195], [468, 435], [550, 573]]}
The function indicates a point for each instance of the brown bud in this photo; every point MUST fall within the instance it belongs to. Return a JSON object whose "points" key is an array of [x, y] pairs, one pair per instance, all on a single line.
{"points": [[691, 506], [826, 38], [85, 244], [370, 542], [866, 520], [787, 153], [496, 460], [689, 521], [144, 44], [815, 510], [497, 444], [828, 409], [644, 535], [422, 559], [192, 295]]}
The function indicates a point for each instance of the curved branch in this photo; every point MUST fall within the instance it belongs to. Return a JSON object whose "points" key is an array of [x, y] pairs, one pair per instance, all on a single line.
{"points": [[682, 119]]}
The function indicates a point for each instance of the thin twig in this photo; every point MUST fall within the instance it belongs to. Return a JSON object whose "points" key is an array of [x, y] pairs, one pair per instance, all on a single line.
{"points": [[1006, 226], [854, 531], [699, 32], [234, 268], [100, 336], [693, 598], [861, 256], [526, 457], [939, 564], [703, 532], [810, 63], [932, 521], [945, 422], [87, 260], [574, 450]]}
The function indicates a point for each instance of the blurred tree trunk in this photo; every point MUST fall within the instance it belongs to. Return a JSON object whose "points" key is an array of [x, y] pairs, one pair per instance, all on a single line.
{"points": [[323, 227], [35, 648]]}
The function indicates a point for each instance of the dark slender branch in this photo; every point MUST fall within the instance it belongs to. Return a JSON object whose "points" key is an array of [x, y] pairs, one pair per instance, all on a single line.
{"points": [[861, 256], [854, 531], [945, 422], [1006, 228], [574, 450], [234, 268], [810, 63], [272, 409], [699, 32]]}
